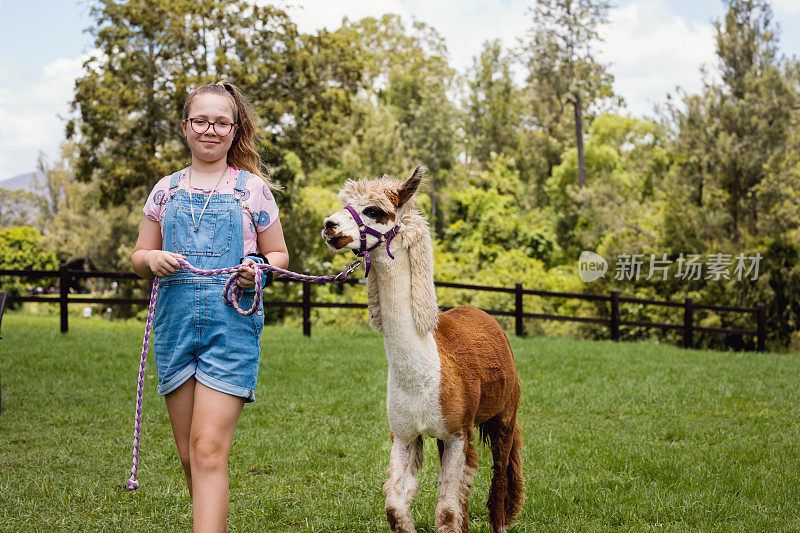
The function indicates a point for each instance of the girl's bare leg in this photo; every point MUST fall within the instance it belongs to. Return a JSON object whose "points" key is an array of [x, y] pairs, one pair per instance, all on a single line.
{"points": [[214, 419], [180, 403]]}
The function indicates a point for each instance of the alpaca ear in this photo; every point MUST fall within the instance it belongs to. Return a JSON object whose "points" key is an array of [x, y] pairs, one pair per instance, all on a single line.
{"points": [[424, 308], [410, 186]]}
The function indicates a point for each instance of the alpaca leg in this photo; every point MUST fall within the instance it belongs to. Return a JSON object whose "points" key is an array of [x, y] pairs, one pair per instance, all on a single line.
{"points": [[466, 484], [502, 438], [514, 495], [402, 486], [455, 482]]}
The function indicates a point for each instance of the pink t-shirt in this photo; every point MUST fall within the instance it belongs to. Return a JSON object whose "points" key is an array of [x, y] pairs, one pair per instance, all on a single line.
{"points": [[259, 207]]}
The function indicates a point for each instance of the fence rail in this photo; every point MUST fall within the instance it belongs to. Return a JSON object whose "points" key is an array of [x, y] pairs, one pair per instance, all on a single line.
{"points": [[688, 327]]}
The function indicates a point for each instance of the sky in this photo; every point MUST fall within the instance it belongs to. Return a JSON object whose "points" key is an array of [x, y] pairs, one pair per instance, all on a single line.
{"points": [[652, 47]]}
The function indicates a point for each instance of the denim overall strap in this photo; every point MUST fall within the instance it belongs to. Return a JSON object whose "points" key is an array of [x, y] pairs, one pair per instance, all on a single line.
{"points": [[173, 182], [168, 222], [239, 190]]}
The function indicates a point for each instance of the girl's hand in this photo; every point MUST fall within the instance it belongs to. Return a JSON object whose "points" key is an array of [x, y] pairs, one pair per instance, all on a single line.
{"points": [[162, 263], [247, 275]]}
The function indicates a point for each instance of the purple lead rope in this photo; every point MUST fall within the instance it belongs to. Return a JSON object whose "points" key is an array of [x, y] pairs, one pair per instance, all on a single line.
{"points": [[231, 294]]}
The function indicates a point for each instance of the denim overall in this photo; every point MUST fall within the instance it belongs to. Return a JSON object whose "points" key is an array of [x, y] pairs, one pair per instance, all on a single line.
{"points": [[196, 333]]}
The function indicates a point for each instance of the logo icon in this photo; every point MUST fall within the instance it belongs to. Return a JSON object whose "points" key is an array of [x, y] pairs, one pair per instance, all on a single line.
{"points": [[591, 266]]}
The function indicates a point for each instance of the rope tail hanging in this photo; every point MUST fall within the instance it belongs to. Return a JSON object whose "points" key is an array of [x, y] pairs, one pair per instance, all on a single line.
{"points": [[133, 482], [232, 295]]}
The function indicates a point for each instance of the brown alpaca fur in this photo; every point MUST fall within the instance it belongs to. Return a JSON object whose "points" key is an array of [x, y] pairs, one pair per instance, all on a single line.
{"points": [[480, 387]]}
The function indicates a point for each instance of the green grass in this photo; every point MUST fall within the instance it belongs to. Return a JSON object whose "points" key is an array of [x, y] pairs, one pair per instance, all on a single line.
{"points": [[627, 437]]}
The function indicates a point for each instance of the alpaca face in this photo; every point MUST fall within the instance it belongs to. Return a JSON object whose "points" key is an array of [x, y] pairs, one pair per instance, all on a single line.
{"points": [[380, 203], [341, 232]]}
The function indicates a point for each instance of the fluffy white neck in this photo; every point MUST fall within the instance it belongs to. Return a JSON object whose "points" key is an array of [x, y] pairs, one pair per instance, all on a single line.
{"points": [[413, 358]]}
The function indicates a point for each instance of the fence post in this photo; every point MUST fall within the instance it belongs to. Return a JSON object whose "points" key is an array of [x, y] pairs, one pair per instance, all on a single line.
{"points": [[688, 321], [614, 315], [306, 308], [63, 292], [519, 325], [761, 313]]}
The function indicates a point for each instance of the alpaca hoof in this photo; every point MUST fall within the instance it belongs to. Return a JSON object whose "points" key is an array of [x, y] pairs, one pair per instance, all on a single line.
{"points": [[400, 523], [501, 529], [446, 521]]}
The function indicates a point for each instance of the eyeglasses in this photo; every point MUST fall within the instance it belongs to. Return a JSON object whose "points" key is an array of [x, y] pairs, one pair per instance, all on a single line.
{"points": [[221, 128]]}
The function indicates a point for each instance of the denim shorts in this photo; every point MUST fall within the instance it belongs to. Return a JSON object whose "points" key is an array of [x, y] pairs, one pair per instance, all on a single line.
{"points": [[197, 334]]}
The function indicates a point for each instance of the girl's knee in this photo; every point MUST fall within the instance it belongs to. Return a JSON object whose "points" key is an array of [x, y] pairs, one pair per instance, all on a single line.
{"points": [[208, 453]]}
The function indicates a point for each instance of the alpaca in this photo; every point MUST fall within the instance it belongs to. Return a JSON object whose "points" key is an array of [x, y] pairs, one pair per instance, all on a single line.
{"points": [[448, 372]]}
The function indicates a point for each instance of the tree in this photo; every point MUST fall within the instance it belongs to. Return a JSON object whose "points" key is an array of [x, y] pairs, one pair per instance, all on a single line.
{"points": [[398, 59], [561, 66], [21, 249], [626, 158], [732, 135], [493, 105], [130, 98], [376, 143], [77, 225], [17, 207], [406, 69], [54, 183]]}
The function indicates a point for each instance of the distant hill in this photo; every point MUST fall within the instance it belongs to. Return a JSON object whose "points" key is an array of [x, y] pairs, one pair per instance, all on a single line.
{"points": [[23, 181]]}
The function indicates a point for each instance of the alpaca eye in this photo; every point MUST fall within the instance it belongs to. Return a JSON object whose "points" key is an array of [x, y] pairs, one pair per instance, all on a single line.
{"points": [[373, 212]]}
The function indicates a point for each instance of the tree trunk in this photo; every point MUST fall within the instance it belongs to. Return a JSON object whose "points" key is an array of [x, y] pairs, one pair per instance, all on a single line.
{"points": [[579, 142], [735, 216], [699, 198]]}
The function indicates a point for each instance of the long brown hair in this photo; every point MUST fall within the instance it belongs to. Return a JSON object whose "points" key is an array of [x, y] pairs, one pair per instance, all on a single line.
{"points": [[242, 153]]}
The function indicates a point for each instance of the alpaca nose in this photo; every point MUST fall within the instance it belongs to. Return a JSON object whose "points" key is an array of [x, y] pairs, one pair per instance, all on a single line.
{"points": [[330, 224]]}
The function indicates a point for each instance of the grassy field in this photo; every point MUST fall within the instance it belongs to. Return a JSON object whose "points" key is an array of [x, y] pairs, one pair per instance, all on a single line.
{"points": [[627, 437]]}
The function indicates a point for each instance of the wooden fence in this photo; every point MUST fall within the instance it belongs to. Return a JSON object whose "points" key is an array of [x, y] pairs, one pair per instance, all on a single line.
{"points": [[688, 327]]}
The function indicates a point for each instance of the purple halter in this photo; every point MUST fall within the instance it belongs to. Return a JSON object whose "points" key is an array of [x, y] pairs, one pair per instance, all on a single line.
{"points": [[363, 230]]}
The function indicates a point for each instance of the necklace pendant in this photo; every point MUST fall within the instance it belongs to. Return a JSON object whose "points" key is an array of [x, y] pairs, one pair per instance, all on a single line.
{"points": [[195, 228]]}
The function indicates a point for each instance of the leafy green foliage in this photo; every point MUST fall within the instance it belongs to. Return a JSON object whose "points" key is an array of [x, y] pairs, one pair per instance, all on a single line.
{"points": [[21, 249], [494, 105], [17, 207]]}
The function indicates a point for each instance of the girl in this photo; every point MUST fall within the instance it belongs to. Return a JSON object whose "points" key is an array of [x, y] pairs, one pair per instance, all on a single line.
{"points": [[211, 214]]}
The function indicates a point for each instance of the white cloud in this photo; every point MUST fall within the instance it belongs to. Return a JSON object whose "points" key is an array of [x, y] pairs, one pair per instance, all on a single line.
{"points": [[786, 6], [652, 50], [464, 25], [31, 100], [313, 15]]}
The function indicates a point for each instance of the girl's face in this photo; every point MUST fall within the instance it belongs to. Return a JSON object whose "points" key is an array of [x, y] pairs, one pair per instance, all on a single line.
{"points": [[209, 146]]}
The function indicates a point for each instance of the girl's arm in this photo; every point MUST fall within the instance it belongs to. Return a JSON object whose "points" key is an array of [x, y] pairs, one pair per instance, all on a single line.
{"points": [[273, 246], [148, 258]]}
